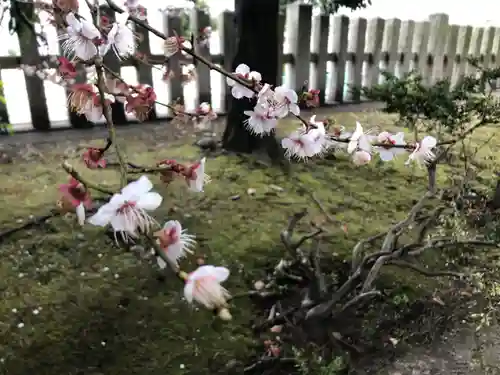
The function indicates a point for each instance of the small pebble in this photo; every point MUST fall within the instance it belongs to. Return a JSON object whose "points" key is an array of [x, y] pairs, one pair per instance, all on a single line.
{"points": [[276, 188]]}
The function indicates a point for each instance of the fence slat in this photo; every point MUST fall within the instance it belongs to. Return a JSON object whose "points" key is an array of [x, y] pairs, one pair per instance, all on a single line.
{"points": [[172, 25], [228, 49], [317, 74], [495, 48], [495, 58], [298, 29], [354, 65], [450, 50], [144, 73], [419, 47], [389, 47], [198, 21], [113, 62], [486, 46], [373, 48], [281, 38], [340, 37], [404, 48], [34, 85], [474, 48], [4, 114], [437, 40], [463, 43]]}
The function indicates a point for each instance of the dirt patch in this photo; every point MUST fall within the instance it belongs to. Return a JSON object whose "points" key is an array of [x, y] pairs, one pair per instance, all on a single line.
{"points": [[463, 351]]}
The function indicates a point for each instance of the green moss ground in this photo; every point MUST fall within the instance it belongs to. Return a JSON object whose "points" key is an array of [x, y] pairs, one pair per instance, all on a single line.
{"points": [[102, 311]]}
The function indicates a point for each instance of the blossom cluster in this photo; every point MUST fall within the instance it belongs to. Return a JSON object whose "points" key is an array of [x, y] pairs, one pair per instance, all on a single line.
{"points": [[312, 139], [128, 213]]}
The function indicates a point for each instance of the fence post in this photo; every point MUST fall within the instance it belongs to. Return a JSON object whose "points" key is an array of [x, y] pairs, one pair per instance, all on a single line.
{"points": [[474, 48], [144, 73], [113, 62], [34, 85], [298, 27], [172, 25], [450, 50], [404, 47], [374, 35], [437, 40], [198, 20], [389, 47], [463, 43], [355, 51], [317, 73], [419, 47], [337, 66], [227, 43]]}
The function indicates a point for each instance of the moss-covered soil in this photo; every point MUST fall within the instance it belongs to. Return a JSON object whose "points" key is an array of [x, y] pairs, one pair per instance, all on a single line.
{"points": [[74, 304]]}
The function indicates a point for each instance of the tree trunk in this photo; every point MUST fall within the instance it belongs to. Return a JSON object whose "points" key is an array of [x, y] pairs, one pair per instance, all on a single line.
{"points": [[257, 47]]}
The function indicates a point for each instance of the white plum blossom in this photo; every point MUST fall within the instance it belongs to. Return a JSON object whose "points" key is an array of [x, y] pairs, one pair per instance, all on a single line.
{"points": [[339, 139], [121, 38], [287, 101], [197, 176], [127, 211], [175, 242], [423, 154], [80, 38], [93, 109], [266, 96], [318, 133], [204, 108], [387, 153], [204, 287], [361, 157], [302, 145], [260, 120], [238, 90], [359, 140]]}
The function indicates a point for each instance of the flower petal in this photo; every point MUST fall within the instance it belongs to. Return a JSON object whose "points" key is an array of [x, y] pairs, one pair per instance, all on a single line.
{"points": [[385, 155], [161, 263], [242, 69], [221, 273], [188, 291], [294, 108], [149, 201], [429, 142], [103, 215], [137, 187], [80, 214]]}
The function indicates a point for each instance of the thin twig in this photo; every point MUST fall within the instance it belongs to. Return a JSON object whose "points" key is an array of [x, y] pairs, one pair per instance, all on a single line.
{"points": [[88, 184]]}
